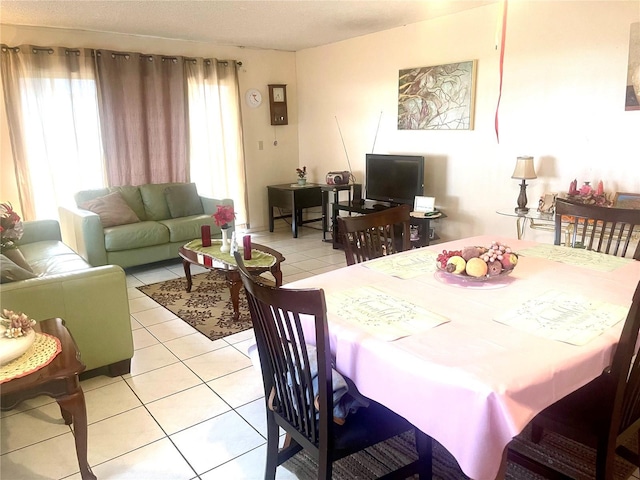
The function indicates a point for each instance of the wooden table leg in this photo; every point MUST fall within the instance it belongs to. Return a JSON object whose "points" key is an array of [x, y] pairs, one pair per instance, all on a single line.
{"points": [[73, 405], [235, 284], [277, 274], [187, 273]]}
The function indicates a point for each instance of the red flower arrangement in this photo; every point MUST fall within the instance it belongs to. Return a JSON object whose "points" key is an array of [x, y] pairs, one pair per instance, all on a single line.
{"points": [[224, 215], [10, 227]]}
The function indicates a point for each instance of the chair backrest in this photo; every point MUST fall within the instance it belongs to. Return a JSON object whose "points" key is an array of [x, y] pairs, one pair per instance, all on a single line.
{"points": [[375, 234], [625, 376], [603, 229], [286, 374]]}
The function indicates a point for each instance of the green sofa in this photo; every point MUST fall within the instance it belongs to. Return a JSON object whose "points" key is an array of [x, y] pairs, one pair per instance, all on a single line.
{"points": [[168, 216], [92, 301]]}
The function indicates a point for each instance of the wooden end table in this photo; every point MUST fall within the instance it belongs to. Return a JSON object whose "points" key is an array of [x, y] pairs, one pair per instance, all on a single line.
{"points": [[232, 276], [59, 380]]}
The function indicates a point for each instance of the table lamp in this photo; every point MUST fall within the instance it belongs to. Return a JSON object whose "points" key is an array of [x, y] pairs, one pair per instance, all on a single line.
{"points": [[524, 170]]}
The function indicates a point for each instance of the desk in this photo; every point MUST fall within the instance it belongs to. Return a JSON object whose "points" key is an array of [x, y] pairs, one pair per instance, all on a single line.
{"points": [[59, 379], [545, 221], [295, 198], [473, 383]]}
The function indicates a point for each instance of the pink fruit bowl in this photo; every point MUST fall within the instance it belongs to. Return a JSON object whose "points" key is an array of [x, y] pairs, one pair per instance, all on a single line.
{"points": [[484, 271]]}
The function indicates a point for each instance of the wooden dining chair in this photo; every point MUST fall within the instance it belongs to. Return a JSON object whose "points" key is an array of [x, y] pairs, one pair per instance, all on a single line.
{"points": [[602, 414], [602, 229], [375, 234], [305, 412]]}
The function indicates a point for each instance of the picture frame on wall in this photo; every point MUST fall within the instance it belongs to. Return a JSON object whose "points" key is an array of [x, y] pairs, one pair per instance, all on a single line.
{"points": [[627, 200], [439, 97]]}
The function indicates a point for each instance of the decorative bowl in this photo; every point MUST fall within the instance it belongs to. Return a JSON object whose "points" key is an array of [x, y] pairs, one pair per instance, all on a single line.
{"points": [[12, 348], [463, 277]]}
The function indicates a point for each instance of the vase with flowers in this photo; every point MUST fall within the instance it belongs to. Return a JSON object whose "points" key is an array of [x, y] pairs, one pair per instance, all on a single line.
{"points": [[224, 214], [11, 231], [302, 175]]}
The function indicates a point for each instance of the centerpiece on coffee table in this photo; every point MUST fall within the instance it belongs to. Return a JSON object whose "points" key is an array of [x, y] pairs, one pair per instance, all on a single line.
{"points": [[478, 264]]}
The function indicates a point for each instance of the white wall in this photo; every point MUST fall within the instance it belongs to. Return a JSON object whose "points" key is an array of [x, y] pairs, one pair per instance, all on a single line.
{"points": [[272, 165], [565, 73]]}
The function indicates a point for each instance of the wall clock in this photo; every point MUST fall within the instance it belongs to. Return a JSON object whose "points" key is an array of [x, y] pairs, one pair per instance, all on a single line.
{"points": [[278, 104], [253, 97]]}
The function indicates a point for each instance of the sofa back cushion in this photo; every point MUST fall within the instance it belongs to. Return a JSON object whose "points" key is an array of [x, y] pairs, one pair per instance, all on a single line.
{"points": [[155, 203], [84, 196], [133, 198], [183, 200]]}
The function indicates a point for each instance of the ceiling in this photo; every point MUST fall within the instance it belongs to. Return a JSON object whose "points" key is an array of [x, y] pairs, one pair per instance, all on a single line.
{"points": [[288, 25]]}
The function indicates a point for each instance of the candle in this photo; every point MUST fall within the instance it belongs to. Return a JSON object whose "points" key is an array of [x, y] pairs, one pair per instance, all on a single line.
{"points": [[246, 245], [600, 189], [573, 187], [205, 230]]}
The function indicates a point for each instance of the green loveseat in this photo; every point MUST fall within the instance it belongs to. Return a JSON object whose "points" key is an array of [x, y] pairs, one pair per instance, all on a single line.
{"points": [[92, 301], [167, 216]]}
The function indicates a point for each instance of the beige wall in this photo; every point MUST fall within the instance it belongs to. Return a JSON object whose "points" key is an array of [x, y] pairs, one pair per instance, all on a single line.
{"points": [[273, 164], [565, 73]]}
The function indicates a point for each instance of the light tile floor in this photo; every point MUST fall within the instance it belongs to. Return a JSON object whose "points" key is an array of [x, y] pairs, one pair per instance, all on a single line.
{"points": [[190, 408]]}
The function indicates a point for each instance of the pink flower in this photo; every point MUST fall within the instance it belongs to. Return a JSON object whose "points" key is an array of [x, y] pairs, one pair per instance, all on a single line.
{"points": [[224, 215]]}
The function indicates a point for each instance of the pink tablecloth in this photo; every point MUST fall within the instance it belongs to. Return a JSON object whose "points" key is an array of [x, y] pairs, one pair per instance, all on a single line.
{"points": [[473, 383]]}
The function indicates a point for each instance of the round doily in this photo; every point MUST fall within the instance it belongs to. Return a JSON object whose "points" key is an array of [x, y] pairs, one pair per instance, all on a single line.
{"points": [[43, 350]]}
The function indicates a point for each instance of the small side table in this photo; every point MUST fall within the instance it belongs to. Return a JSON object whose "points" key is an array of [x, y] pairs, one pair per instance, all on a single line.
{"points": [[59, 380], [295, 198]]}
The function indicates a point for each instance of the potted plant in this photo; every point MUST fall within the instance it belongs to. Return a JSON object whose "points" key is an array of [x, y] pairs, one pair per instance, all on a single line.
{"points": [[302, 175]]}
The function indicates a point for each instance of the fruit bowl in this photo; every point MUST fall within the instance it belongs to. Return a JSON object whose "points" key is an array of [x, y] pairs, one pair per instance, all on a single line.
{"points": [[475, 264], [463, 277]]}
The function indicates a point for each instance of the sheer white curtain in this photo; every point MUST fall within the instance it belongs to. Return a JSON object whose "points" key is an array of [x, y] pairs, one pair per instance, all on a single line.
{"points": [[51, 101], [215, 132]]}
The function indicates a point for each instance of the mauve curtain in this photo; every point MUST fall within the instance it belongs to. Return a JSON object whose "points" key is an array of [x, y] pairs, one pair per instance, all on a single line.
{"points": [[51, 105], [215, 132], [143, 116]]}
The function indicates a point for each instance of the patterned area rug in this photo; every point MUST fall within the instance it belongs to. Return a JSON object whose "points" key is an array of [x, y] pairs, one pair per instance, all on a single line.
{"points": [[398, 451], [207, 307]]}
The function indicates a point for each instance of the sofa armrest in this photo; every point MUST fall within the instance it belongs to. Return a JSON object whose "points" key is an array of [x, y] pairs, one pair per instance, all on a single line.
{"points": [[40, 230], [83, 232], [93, 303]]}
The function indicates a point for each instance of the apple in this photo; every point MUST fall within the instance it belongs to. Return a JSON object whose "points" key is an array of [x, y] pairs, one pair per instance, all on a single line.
{"points": [[509, 261], [456, 264]]}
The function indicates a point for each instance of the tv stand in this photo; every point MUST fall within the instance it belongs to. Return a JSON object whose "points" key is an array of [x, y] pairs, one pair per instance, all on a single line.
{"points": [[426, 233]]}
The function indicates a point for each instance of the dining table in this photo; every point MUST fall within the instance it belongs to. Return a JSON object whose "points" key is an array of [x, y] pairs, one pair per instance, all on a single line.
{"points": [[471, 362]]}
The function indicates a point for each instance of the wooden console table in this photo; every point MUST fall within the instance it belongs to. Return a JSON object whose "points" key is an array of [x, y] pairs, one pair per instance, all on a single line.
{"points": [[295, 198], [59, 380]]}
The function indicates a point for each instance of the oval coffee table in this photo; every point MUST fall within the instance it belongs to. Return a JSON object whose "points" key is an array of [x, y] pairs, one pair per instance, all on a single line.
{"points": [[230, 270]]}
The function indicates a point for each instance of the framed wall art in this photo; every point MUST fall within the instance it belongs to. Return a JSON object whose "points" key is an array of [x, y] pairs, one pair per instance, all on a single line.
{"points": [[632, 99], [626, 200], [440, 97]]}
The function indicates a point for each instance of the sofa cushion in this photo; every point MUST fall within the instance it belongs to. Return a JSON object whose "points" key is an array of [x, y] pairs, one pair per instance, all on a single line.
{"points": [[133, 198], [10, 272], [50, 257], [155, 203], [183, 200], [185, 229], [113, 210], [138, 235], [86, 195]]}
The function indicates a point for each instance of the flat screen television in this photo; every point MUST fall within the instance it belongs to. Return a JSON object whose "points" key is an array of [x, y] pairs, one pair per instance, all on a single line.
{"points": [[396, 179]]}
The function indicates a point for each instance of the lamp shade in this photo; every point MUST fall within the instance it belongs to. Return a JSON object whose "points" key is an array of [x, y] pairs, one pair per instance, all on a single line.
{"points": [[524, 169]]}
